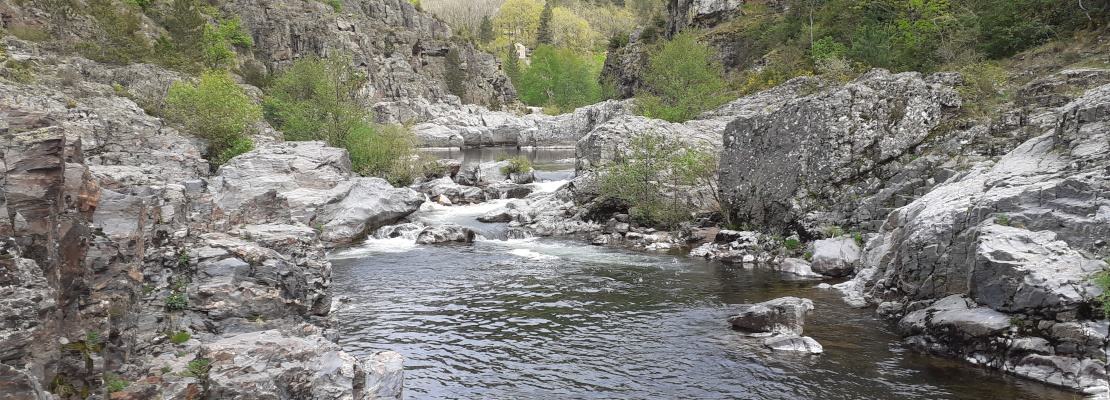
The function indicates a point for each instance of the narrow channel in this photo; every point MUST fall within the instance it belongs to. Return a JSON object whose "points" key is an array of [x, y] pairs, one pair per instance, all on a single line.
{"points": [[546, 318]]}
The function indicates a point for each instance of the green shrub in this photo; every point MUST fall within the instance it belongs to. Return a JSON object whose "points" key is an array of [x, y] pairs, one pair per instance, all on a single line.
{"points": [[215, 109], [517, 165], [453, 73], [388, 152], [180, 337], [177, 301], [652, 165], [792, 244], [200, 367], [28, 33], [117, 385], [316, 99], [123, 41], [1102, 279], [681, 81]]}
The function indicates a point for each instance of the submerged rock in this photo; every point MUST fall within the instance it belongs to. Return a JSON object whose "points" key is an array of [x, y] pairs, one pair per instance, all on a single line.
{"points": [[784, 315], [798, 344]]}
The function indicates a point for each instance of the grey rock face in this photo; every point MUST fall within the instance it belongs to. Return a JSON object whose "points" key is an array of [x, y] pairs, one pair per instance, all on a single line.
{"points": [[401, 50], [785, 315], [454, 125], [835, 257], [456, 193], [312, 183], [782, 171], [1010, 240], [445, 233]]}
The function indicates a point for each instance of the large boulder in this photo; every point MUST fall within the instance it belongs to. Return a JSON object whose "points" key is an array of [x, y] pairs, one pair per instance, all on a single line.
{"points": [[784, 315], [793, 169], [273, 365], [456, 193], [308, 183], [835, 257]]}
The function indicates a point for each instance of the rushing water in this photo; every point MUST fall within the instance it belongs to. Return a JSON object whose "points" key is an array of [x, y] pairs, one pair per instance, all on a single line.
{"points": [[545, 318]]}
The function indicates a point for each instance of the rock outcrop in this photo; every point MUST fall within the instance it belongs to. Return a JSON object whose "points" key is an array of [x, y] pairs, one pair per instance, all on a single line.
{"points": [[832, 158], [994, 266], [120, 254], [312, 184], [445, 233], [402, 51]]}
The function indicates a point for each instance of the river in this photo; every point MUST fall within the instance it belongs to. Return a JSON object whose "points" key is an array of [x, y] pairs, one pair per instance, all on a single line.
{"points": [[545, 318]]}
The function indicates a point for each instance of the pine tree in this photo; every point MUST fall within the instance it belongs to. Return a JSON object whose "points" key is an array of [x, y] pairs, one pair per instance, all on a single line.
{"points": [[454, 74], [485, 31], [511, 65], [544, 34]]}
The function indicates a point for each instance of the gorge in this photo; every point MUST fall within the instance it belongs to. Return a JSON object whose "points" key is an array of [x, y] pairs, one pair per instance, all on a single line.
{"points": [[950, 246]]}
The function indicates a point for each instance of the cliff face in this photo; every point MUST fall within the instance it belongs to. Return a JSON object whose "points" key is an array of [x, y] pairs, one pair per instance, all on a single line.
{"points": [[122, 258], [403, 51]]}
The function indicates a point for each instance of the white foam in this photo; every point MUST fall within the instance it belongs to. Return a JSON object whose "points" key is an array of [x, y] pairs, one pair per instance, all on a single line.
{"points": [[532, 254]]}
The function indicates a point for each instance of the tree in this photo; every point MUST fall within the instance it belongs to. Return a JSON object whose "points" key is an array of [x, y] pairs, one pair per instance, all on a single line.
{"points": [[569, 31], [681, 81], [521, 18], [216, 109], [316, 100], [544, 35], [453, 73], [562, 79], [218, 41], [511, 65], [485, 32]]}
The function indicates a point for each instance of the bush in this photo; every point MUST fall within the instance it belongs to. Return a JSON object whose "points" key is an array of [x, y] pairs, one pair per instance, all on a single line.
{"points": [[681, 81], [653, 177], [215, 109], [180, 337], [387, 152], [117, 385], [1102, 279], [177, 301], [316, 100], [517, 165]]}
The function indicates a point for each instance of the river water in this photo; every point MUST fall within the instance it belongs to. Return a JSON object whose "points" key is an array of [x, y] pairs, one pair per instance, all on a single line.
{"points": [[545, 318]]}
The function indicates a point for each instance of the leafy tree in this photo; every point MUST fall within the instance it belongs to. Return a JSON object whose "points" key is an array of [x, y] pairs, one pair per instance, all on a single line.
{"points": [[216, 109], [681, 81], [485, 31], [123, 41], [544, 35], [521, 18], [316, 100], [569, 31], [182, 48], [219, 40], [562, 79]]}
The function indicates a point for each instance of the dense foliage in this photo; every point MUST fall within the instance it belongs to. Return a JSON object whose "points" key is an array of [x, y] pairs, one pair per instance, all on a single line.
{"points": [[316, 99], [681, 81], [216, 109], [560, 80]]}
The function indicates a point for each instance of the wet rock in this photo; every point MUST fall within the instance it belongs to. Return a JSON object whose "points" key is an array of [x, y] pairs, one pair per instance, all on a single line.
{"points": [[798, 267], [797, 344], [453, 192], [835, 257], [506, 190], [785, 315], [445, 233], [368, 204]]}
